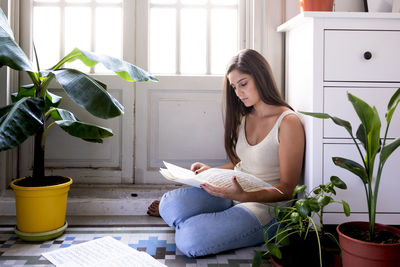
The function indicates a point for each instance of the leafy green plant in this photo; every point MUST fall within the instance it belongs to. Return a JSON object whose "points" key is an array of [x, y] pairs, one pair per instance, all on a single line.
{"points": [[33, 106], [297, 218], [368, 134]]}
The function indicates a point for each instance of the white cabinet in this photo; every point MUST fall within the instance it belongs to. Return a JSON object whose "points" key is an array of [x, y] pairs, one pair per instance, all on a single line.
{"points": [[327, 55]]}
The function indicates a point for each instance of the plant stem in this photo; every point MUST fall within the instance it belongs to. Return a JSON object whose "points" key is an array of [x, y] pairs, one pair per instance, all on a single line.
{"points": [[38, 163]]}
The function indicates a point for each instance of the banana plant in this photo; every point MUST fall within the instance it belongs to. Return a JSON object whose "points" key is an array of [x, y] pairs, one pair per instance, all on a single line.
{"points": [[368, 134], [34, 109]]}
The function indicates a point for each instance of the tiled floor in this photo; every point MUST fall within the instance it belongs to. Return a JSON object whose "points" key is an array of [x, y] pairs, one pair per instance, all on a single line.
{"points": [[158, 241]]}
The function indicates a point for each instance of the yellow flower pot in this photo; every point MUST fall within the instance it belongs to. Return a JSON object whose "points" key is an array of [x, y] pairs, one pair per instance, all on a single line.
{"points": [[40, 209]]}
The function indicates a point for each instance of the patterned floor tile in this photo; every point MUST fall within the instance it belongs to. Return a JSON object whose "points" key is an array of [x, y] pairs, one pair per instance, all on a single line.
{"points": [[159, 242]]}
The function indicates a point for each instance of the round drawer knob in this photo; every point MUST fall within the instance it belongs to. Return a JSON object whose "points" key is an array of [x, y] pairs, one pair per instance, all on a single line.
{"points": [[367, 55]]}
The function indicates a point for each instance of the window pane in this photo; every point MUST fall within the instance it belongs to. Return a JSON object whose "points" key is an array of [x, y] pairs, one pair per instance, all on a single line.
{"points": [[224, 2], [194, 2], [193, 40], [77, 32], [224, 38], [47, 45], [108, 33], [78, 1], [109, 1], [162, 40], [162, 1]]}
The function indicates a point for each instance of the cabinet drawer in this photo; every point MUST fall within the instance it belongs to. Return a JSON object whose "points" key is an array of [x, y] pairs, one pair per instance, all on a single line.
{"points": [[388, 197], [337, 104], [344, 56]]}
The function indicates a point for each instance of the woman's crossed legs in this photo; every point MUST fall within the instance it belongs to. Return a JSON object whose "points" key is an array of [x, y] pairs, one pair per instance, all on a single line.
{"points": [[206, 224]]}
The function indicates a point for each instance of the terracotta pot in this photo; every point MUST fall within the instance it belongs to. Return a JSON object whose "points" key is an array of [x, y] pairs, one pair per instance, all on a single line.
{"points": [[367, 254], [315, 5]]}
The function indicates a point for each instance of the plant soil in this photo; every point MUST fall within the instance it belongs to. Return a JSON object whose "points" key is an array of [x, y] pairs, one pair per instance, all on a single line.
{"points": [[381, 237], [45, 181], [305, 253]]}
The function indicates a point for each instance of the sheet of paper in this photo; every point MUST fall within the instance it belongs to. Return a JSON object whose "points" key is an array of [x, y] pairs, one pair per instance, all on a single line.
{"points": [[105, 251], [179, 172]]}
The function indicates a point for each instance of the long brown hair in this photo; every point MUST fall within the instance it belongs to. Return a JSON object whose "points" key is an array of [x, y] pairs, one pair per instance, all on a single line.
{"points": [[249, 62]]}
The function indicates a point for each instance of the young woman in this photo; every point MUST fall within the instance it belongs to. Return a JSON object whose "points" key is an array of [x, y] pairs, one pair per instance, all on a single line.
{"points": [[264, 137]]}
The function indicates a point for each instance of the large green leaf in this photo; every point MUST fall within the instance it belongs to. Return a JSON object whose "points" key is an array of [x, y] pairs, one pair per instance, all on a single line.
{"points": [[88, 132], [388, 149], [22, 121], [353, 167], [392, 105], [89, 94], [370, 120], [24, 91], [52, 100], [10, 53], [336, 120], [362, 136], [125, 70]]}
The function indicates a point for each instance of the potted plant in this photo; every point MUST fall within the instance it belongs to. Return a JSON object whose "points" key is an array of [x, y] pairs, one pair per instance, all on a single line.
{"points": [[297, 234], [368, 243], [315, 5], [41, 200]]}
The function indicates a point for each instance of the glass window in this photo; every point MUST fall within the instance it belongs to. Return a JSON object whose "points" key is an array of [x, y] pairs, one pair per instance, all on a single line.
{"points": [[59, 26], [192, 37]]}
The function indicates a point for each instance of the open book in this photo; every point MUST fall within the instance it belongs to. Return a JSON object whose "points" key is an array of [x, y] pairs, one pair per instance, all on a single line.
{"points": [[214, 176]]}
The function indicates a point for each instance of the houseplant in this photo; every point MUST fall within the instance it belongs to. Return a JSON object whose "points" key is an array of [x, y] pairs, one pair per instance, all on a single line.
{"points": [[363, 249], [315, 5], [34, 110], [298, 234]]}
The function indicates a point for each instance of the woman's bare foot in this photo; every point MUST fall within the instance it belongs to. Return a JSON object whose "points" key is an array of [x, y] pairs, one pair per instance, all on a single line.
{"points": [[153, 209]]}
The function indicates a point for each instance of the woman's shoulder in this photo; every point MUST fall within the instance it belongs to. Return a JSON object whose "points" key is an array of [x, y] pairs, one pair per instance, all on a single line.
{"points": [[291, 122]]}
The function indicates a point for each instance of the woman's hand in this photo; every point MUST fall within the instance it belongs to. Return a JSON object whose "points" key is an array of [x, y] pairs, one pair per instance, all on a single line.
{"points": [[199, 167], [234, 191]]}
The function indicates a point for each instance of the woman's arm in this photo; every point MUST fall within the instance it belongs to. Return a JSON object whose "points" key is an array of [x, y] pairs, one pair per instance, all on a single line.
{"points": [[291, 152]]}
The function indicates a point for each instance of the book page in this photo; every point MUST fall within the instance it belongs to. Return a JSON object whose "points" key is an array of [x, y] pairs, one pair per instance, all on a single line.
{"points": [[214, 176], [105, 251], [223, 178], [189, 181]]}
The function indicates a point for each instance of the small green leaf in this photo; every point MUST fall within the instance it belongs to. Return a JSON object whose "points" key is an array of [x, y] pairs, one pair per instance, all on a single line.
{"points": [[317, 191], [346, 208], [302, 208], [294, 217], [257, 258], [298, 189], [313, 204], [324, 200], [338, 182], [274, 250]]}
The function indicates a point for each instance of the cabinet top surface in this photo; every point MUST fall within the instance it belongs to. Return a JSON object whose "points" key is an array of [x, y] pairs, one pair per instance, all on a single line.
{"points": [[336, 16]]}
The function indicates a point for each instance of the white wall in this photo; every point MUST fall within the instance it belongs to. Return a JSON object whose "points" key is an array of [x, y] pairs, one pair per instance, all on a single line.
{"points": [[292, 8]]}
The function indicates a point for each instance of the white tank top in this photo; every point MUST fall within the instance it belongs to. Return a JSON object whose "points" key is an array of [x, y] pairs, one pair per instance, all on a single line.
{"points": [[261, 160]]}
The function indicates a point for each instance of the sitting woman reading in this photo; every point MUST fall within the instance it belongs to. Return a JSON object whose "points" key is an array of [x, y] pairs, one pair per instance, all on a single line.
{"points": [[263, 137]]}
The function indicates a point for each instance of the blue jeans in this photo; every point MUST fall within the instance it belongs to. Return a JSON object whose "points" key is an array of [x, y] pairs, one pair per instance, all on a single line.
{"points": [[205, 224]]}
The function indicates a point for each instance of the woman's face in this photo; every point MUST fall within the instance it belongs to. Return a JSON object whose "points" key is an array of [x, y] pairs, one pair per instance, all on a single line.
{"points": [[245, 88]]}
